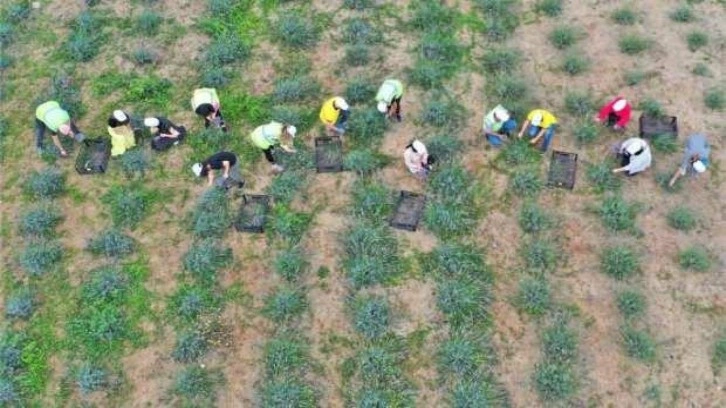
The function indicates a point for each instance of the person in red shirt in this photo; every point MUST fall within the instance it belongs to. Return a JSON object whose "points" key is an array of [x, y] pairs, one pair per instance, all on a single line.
{"points": [[615, 113]]}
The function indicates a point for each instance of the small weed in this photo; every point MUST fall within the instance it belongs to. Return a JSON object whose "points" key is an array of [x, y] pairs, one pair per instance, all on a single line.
{"points": [[579, 102], [371, 255], [105, 285], [533, 219], [285, 304], [284, 187], [682, 14], [20, 304], [449, 218], [694, 258], [189, 347], [701, 69], [359, 31], [439, 113], [664, 143], [550, 8], [111, 243], [285, 355], [554, 381], [148, 23], [211, 216], [525, 183], [428, 74], [215, 77], [585, 132], [431, 15], [463, 301], [519, 153], [371, 200], [624, 16], [40, 221], [718, 358], [501, 60], [370, 315], [460, 355], [696, 40], [129, 205], [40, 257], [533, 296], [205, 258], [439, 47], [359, 91], [444, 147], [602, 178], [46, 183], [634, 77], [291, 264], [295, 89], [540, 255], [575, 63], [195, 382], [651, 108], [191, 301], [638, 344], [617, 214], [715, 99], [633, 44], [477, 392], [619, 262], [134, 161], [559, 344], [682, 218], [363, 161], [357, 55], [288, 392], [366, 127], [225, 50], [290, 225], [563, 36], [145, 56], [90, 378], [295, 31], [631, 304], [508, 88]]}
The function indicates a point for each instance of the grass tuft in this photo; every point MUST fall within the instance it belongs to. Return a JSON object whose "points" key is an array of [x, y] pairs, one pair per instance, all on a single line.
{"points": [[714, 99], [463, 301], [205, 258], [631, 304], [579, 102], [211, 217], [20, 304], [477, 392], [682, 14], [295, 89], [195, 383], [284, 355], [128, 205], [540, 255], [453, 261], [533, 219], [371, 255], [439, 113], [357, 55], [358, 30], [284, 304], [651, 108], [638, 344], [501, 60], [694, 258], [563, 36], [624, 16], [559, 344], [701, 69], [696, 40], [148, 23], [366, 127], [575, 63], [40, 257], [295, 31], [619, 262], [550, 8], [46, 183], [105, 285], [431, 15], [602, 178], [90, 378], [525, 183], [288, 392], [363, 161], [189, 347], [370, 315], [291, 264], [554, 381], [664, 143], [617, 214], [372, 200], [289, 225], [634, 77], [189, 302], [633, 44], [682, 218], [460, 355], [111, 243], [519, 153], [40, 221], [134, 161], [585, 132], [533, 296], [359, 91], [718, 358]]}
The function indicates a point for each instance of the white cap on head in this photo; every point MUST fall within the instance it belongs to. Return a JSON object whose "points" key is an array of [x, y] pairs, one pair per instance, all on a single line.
{"points": [[619, 105], [151, 122], [65, 129], [699, 166], [418, 146], [119, 115], [382, 107], [537, 119], [635, 145], [197, 169], [341, 103], [501, 113], [292, 131]]}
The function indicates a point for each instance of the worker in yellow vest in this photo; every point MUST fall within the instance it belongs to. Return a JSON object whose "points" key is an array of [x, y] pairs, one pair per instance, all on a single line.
{"points": [[266, 137], [50, 116], [334, 115], [122, 134], [205, 103], [389, 98]]}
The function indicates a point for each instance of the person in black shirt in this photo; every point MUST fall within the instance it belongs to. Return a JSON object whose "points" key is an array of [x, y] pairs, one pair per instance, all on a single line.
{"points": [[166, 134], [225, 161]]}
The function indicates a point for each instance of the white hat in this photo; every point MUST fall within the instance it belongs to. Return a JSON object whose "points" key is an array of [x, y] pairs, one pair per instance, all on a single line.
{"points": [[382, 107], [151, 122], [119, 115], [501, 113], [418, 146], [291, 130], [619, 105], [197, 169], [699, 166], [635, 145], [537, 119], [341, 103], [64, 129]]}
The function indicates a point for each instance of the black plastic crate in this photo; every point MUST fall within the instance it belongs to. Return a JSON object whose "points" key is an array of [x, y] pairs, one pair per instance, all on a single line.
{"points": [[253, 213], [93, 156], [409, 210], [563, 170], [328, 154], [666, 125]]}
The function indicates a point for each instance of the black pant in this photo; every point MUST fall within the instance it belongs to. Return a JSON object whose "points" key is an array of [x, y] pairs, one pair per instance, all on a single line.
{"points": [[40, 128], [397, 101], [159, 143], [612, 119], [222, 123], [268, 154]]}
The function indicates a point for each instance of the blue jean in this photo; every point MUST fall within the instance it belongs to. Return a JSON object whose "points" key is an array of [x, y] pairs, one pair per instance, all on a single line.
{"points": [[548, 135], [507, 128]]}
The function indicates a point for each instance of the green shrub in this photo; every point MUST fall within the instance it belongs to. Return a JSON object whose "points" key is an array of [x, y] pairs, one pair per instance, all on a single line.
{"points": [[696, 40], [149, 91], [440, 113], [291, 264], [463, 301], [718, 359], [290, 225], [366, 127], [525, 183], [533, 219], [134, 161], [40, 221], [449, 217], [428, 74], [358, 4], [90, 378], [624, 16], [540, 255], [100, 329], [431, 15], [500, 27], [682, 14], [8, 391], [226, 49], [460, 355], [682, 218], [82, 47], [508, 88], [295, 89], [554, 381], [294, 30], [220, 7], [189, 347], [215, 77], [105, 285], [205, 258], [715, 99], [617, 214], [20, 304], [359, 91], [363, 161], [111, 243], [579, 102], [633, 44], [550, 8], [211, 216], [452, 181], [519, 153], [638, 344], [634, 77], [602, 178], [701, 69], [357, 55], [453, 261], [17, 12], [439, 47], [694, 258], [39, 257], [357, 30], [559, 344], [477, 392], [188, 302], [631, 303], [444, 147], [664, 143], [585, 132], [284, 304], [575, 63], [284, 187], [651, 108], [195, 382], [128, 205], [148, 23], [288, 392], [619, 262], [371, 255], [46, 183], [533, 296], [145, 56], [285, 355], [372, 200], [563, 36], [501, 60], [370, 315]]}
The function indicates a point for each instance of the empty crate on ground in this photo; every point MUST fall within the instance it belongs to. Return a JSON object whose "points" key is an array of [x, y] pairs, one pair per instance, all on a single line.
{"points": [[93, 156], [328, 154], [252, 213], [563, 170], [409, 210]]}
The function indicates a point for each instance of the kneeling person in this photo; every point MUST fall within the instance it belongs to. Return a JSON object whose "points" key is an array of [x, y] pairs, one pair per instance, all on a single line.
{"points": [[635, 156], [166, 134], [695, 159], [417, 159], [225, 161], [50, 116]]}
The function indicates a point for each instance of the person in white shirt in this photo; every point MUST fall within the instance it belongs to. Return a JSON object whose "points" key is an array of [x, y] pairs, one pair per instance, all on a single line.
{"points": [[417, 159], [635, 156]]}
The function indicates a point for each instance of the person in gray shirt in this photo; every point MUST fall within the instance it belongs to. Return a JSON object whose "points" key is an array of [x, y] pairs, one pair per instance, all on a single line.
{"points": [[695, 158]]}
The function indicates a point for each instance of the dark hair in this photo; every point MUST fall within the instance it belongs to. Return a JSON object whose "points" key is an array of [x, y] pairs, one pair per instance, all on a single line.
{"points": [[204, 109], [431, 160], [114, 123]]}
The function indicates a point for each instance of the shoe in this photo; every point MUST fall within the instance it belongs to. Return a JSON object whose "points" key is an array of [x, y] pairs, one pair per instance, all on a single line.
{"points": [[398, 118]]}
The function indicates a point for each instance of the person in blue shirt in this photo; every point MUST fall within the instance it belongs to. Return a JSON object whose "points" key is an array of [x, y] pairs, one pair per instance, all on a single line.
{"points": [[695, 158]]}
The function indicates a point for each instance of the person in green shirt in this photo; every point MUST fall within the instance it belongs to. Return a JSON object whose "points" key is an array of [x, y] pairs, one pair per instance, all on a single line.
{"points": [[498, 126], [50, 116], [389, 98]]}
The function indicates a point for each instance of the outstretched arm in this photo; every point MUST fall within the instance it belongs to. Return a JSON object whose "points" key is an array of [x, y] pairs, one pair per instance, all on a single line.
{"points": [[679, 172], [524, 127]]}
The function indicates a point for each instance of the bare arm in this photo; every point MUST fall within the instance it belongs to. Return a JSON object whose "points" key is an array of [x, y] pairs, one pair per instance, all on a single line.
{"points": [[225, 166], [675, 177], [58, 144], [538, 137], [210, 177], [524, 127]]}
